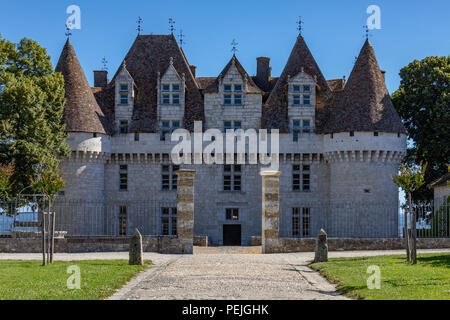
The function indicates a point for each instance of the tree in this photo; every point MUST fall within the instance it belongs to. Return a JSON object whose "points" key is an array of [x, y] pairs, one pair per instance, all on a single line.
{"points": [[410, 179], [31, 108], [6, 171], [423, 103]]}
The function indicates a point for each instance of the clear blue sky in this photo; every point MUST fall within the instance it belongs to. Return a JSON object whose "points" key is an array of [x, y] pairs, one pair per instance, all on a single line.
{"points": [[333, 30]]}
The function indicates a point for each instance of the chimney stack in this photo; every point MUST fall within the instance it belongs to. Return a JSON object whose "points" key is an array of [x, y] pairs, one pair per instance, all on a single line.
{"points": [[193, 69], [101, 78], [263, 71]]}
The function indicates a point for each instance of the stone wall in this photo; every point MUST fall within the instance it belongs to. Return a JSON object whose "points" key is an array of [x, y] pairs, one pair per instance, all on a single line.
{"points": [[160, 244], [287, 245]]}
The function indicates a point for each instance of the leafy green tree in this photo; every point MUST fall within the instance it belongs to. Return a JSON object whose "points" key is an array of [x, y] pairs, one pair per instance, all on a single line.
{"points": [[6, 171], [423, 103], [410, 179], [31, 109]]}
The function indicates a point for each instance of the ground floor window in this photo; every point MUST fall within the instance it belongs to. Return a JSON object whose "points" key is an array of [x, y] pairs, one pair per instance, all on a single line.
{"points": [[169, 221], [301, 222], [232, 214]]}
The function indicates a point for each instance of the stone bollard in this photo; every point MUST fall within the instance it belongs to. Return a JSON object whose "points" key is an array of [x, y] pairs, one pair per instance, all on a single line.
{"points": [[270, 211], [136, 257], [321, 247], [185, 210]]}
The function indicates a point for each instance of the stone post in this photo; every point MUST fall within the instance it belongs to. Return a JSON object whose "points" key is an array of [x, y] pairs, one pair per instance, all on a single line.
{"points": [[321, 252], [136, 255], [270, 210], [185, 210]]}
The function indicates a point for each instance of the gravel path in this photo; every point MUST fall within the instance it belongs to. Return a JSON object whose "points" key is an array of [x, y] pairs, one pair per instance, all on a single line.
{"points": [[224, 273]]}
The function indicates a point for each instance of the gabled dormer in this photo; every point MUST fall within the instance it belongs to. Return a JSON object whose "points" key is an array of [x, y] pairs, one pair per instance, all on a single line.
{"points": [[124, 99], [233, 97], [171, 95]]}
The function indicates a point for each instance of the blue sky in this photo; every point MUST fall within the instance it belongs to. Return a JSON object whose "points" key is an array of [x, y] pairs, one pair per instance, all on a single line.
{"points": [[333, 30]]}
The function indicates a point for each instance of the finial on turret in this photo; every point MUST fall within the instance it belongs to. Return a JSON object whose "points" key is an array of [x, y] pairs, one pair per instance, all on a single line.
{"points": [[299, 25], [181, 38], [139, 27], [171, 25], [68, 28], [234, 48], [171, 61], [105, 64]]}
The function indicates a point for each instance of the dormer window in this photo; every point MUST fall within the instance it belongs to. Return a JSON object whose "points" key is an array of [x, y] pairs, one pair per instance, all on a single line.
{"points": [[296, 88], [299, 127], [296, 100], [124, 98], [232, 94], [307, 89], [124, 87], [171, 94], [232, 125], [167, 127]]}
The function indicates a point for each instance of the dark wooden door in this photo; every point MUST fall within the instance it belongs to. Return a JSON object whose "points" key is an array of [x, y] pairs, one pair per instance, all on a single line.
{"points": [[232, 235]]}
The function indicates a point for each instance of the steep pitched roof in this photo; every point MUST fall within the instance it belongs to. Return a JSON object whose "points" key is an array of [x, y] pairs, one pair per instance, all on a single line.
{"points": [[149, 55], [251, 86], [81, 111], [364, 104], [275, 111]]}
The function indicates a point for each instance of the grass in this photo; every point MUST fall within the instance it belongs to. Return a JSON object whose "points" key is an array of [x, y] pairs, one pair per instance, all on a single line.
{"points": [[428, 280], [28, 280]]}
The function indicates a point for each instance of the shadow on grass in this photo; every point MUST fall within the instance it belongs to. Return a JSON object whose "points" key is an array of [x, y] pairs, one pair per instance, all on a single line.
{"points": [[436, 260]]}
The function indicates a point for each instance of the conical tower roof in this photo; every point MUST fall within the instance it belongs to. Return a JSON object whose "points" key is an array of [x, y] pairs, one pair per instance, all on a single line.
{"points": [[81, 112], [365, 104], [300, 59]]}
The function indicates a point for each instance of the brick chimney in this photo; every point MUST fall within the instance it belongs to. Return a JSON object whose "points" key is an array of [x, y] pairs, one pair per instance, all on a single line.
{"points": [[193, 69], [263, 71], [100, 78]]}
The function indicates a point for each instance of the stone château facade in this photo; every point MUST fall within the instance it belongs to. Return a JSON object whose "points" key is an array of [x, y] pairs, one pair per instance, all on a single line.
{"points": [[339, 142]]}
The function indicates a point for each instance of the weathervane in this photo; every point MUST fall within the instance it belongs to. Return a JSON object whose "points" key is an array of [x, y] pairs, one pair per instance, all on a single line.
{"points": [[171, 25], [105, 64], [234, 48], [68, 28], [299, 25], [366, 31], [139, 27], [181, 38]]}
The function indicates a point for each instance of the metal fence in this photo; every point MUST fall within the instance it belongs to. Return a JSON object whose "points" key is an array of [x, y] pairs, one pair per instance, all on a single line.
{"points": [[88, 218], [118, 218]]}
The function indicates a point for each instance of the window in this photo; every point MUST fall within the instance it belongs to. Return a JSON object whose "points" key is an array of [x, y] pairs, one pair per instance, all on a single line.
{"points": [[176, 99], [166, 87], [227, 99], [301, 127], [166, 99], [136, 136], [232, 94], [352, 133], [169, 177], [296, 88], [124, 87], [306, 100], [301, 215], [169, 221], [176, 88], [232, 179], [123, 177], [306, 89], [376, 134], [123, 126], [237, 99], [122, 220], [232, 125], [301, 178], [296, 100], [232, 214], [123, 98], [167, 127]]}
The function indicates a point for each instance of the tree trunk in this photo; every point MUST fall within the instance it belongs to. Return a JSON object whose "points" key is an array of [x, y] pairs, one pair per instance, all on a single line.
{"points": [[44, 250], [413, 233], [408, 252], [52, 241]]}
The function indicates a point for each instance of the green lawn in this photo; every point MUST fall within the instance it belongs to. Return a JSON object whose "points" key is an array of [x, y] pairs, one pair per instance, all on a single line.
{"points": [[429, 279], [28, 280]]}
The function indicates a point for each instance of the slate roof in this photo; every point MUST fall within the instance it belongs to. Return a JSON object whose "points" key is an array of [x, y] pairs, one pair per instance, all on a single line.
{"points": [[81, 111], [251, 86], [275, 110], [364, 104]]}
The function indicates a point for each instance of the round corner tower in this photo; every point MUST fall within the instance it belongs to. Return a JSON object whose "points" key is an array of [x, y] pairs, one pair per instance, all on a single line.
{"points": [[84, 169], [364, 144]]}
